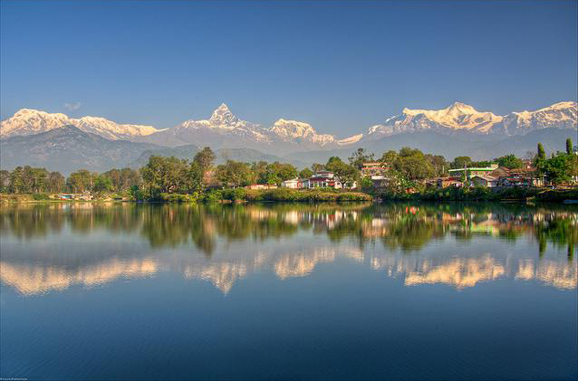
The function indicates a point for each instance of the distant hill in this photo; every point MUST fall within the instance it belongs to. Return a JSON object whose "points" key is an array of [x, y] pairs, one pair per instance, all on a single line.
{"points": [[188, 152], [67, 149], [450, 146]]}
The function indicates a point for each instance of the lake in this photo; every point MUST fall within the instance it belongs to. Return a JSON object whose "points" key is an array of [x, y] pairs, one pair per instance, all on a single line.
{"points": [[315, 291]]}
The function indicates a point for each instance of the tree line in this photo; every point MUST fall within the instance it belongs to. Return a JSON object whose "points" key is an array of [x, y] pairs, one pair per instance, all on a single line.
{"points": [[170, 175]]}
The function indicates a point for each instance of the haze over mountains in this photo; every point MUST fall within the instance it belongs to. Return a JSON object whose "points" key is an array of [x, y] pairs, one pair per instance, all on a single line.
{"points": [[38, 137]]}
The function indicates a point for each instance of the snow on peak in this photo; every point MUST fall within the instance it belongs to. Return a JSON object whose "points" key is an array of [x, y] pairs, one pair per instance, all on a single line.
{"points": [[462, 117], [292, 130], [30, 121], [223, 116]]}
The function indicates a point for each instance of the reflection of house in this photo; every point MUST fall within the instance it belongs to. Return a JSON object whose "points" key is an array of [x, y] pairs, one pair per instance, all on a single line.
{"points": [[484, 181], [324, 179], [371, 169]]}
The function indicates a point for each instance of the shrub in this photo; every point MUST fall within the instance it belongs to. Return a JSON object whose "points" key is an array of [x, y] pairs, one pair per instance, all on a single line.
{"points": [[40, 196]]}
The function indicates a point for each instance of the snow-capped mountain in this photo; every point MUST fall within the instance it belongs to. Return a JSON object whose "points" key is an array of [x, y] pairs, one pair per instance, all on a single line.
{"points": [[460, 117], [225, 130], [559, 115], [222, 129], [30, 122], [294, 131]]}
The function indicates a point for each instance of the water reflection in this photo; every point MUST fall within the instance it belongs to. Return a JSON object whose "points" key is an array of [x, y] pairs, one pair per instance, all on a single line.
{"points": [[52, 247]]}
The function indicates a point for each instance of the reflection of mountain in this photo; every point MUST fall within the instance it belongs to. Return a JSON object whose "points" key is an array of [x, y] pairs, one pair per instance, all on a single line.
{"points": [[95, 244], [468, 272], [33, 279]]}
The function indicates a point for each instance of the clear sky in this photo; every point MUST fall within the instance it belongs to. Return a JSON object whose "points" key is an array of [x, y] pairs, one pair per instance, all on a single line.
{"points": [[341, 66]]}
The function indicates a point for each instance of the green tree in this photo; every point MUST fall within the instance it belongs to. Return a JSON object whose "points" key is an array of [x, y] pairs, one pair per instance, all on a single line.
{"points": [[166, 175], [55, 182], [558, 169], [461, 162], [305, 173], [102, 183], [348, 174], [80, 181], [234, 174], [413, 165], [359, 157], [509, 161], [205, 159], [569, 146], [541, 152], [316, 167], [4, 181], [388, 158]]}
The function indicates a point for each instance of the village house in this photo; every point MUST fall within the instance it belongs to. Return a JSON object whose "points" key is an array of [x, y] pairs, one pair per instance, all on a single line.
{"points": [[373, 168], [484, 181], [295, 183], [474, 171], [324, 179]]}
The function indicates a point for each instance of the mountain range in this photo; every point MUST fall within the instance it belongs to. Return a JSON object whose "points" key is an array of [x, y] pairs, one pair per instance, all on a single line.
{"points": [[32, 136]]}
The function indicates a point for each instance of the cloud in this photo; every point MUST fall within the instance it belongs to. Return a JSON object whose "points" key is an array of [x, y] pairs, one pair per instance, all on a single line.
{"points": [[72, 106]]}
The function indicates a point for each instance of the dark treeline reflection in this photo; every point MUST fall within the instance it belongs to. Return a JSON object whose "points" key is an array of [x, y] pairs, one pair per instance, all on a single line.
{"points": [[404, 226]]}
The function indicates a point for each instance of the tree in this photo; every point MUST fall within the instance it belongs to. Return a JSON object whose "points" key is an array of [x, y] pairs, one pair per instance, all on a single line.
{"points": [[348, 174], [16, 182], [412, 164], [569, 146], [55, 182], [359, 157], [316, 167], [461, 162], [4, 181], [167, 175], [306, 173], [558, 169], [205, 159], [439, 164], [541, 152], [509, 161], [388, 157], [102, 183], [80, 181], [234, 174]]}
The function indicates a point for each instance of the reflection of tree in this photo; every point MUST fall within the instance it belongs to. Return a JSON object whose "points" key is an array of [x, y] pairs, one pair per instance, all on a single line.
{"points": [[405, 226]]}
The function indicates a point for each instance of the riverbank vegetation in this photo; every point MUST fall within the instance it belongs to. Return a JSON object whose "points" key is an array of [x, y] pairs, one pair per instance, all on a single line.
{"points": [[408, 174]]}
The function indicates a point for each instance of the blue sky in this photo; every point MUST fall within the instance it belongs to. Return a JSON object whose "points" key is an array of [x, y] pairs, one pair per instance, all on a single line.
{"points": [[341, 66]]}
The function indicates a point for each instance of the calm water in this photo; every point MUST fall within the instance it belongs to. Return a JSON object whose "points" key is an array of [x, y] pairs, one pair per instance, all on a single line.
{"points": [[398, 291]]}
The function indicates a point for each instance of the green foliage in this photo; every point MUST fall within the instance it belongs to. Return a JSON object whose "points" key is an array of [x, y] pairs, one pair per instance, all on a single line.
{"points": [[461, 162], [305, 173], [171, 175], [541, 152], [559, 169], [569, 147], [177, 197], [236, 194], [359, 157], [348, 174], [235, 174], [509, 161], [205, 159], [40, 197]]}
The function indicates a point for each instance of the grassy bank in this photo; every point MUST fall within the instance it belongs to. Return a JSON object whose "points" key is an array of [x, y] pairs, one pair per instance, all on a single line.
{"points": [[327, 195], [284, 195], [485, 194]]}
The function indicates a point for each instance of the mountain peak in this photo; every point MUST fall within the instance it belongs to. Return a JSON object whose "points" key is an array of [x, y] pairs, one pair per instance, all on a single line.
{"points": [[223, 116], [459, 107]]}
